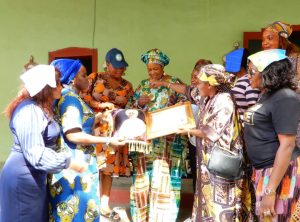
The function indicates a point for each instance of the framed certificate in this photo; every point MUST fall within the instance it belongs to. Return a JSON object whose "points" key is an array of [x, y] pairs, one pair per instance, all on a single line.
{"points": [[167, 121]]}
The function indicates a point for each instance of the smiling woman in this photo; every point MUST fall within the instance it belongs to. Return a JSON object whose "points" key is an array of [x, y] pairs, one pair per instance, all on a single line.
{"points": [[166, 155], [76, 119], [275, 36], [109, 87], [270, 129]]}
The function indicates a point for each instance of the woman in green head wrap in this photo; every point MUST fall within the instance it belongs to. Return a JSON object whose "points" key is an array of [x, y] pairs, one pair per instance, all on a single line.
{"points": [[155, 194]]}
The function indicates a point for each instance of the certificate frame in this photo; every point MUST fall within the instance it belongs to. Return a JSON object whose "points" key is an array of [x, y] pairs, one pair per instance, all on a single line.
{"points": [[166, 121]]}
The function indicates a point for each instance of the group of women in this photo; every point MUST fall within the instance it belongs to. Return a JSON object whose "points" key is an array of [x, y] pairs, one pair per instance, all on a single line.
{"points": [[62, 129]]}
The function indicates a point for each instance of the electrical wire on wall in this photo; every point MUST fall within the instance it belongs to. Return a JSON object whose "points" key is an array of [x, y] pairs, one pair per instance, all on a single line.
{"points": [[94, 25]]}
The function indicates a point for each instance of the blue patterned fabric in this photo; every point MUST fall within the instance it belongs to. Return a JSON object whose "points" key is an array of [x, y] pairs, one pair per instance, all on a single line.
{"points": [[75, 196]]}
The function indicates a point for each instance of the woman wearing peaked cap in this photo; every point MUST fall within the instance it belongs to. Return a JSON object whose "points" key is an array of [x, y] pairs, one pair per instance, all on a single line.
{"points": [[109, 87], [73, 196], [155, 194], [23, 190], [270, 130]]}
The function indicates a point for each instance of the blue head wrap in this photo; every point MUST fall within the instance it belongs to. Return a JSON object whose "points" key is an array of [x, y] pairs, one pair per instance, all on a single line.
{"points": [[234, 60], [68, 69]]}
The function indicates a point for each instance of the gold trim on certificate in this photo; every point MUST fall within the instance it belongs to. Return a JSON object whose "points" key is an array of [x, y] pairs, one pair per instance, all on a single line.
{"points": [[167, 120]]}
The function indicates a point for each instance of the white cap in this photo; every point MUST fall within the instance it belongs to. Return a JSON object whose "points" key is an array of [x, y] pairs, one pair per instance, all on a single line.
{"points": [[36, 78]]}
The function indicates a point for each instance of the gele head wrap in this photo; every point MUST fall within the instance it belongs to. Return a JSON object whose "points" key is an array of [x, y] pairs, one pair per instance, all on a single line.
{"points": [[283, 29], [155, 56], [68, 69], [36, 78], [264, 58]]}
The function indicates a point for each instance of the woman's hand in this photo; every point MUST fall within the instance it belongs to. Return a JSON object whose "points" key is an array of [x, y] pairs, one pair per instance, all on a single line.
{"points": [[143, 100], [78, 165], [183, 131], [121, 100], [116, 141], [267, 206], [156, 84], [106, 105]]}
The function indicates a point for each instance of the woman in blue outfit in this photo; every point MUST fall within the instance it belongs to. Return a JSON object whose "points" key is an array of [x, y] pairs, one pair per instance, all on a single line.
{"points": [[74, 196], [23, 190]]}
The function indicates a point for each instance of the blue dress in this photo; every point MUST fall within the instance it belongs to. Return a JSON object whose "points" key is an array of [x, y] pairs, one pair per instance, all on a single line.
{"points": [[23, 190], [75, 196]]}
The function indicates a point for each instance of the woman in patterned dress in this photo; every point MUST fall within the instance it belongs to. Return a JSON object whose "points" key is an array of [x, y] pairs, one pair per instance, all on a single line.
{"points": [[109, 86], [23, 189], [192, 93], [155, 193], [73, 196], [217, 198]]}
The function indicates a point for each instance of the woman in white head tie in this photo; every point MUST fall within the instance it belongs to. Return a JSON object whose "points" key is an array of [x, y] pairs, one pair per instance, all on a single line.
{"points": [[23, 193]]}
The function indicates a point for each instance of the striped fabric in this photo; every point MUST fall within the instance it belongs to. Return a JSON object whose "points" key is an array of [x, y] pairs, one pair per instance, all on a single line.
{"points": [[244, 94], [30, 141], [155, 193]]}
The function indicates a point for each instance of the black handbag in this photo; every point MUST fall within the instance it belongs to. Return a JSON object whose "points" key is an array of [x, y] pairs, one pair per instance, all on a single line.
{"points": [[226, 164]]}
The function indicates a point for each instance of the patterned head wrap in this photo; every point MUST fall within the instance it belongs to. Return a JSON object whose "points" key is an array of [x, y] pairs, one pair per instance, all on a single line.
{"points": [[283, 29], [214, 74], [155, 56], [68, 69], [264, 58]]}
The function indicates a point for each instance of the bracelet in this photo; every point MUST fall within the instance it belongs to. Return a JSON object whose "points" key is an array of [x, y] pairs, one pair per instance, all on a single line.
{"points": [[269, 192]]}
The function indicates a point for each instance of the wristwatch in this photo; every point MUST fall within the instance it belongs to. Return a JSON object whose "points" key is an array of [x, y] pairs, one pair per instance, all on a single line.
{"points": [[269, 192]]}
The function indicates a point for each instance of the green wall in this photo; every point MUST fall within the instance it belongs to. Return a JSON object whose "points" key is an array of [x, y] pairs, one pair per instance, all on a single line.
{"points": [[184, 29]]}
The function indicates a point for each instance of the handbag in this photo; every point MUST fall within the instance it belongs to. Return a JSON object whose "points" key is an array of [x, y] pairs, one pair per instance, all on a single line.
{"points": [[224, 163]]}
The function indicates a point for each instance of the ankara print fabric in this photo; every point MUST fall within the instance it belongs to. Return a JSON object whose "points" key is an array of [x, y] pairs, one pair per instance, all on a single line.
{"points": [[221, 199], [100, 90], [155, 192], [75, 196]]}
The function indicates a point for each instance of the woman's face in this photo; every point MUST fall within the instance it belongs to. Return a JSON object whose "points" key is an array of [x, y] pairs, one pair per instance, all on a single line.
{"points": [[270, 40], [204, 88], [81, 82], [115, 73], [58, 88], [155, 71], [194, 79], [254, 76]]}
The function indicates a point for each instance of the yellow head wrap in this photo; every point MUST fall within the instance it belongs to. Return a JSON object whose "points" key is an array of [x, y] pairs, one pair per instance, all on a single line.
{"points": [[214, 74], [211, 79]]}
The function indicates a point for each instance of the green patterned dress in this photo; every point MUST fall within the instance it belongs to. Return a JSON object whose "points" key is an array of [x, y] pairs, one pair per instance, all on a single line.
{"points": [[155, 193]]}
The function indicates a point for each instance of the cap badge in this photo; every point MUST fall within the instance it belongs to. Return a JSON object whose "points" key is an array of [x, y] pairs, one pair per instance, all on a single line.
{"points": [[119, 57]]}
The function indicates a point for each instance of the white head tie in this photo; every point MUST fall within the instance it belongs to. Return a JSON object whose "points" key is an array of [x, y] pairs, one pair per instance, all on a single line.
{"points": [[38, 77]]}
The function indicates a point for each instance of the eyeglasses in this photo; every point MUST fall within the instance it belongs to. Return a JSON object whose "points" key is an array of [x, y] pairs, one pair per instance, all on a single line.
{"points": [[252, 72]]}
